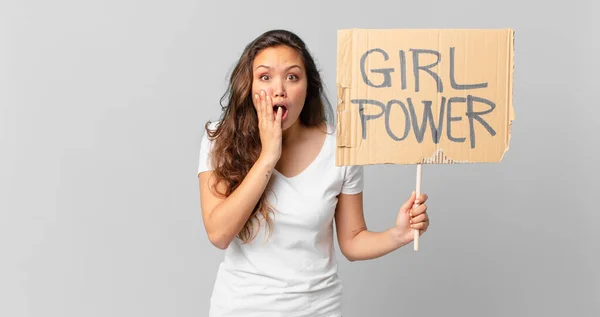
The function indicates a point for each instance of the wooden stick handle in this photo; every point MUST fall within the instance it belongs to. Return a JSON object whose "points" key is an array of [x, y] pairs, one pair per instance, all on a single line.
{"points": [[418, 193]]}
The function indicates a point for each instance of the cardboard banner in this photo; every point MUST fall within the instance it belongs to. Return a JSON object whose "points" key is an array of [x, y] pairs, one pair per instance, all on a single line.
{"points": [[423, 96]]}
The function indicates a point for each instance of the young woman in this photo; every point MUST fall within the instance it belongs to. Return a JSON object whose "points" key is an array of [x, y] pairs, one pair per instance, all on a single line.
{"points": [[270, 190]]}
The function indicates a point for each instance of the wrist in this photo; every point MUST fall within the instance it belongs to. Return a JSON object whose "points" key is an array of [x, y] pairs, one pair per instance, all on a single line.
{"points": [[399, 237], [266, 162]]}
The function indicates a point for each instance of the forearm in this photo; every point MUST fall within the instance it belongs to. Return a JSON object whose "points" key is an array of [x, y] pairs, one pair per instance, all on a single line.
{"points": [[229, 217], [367, 245]]}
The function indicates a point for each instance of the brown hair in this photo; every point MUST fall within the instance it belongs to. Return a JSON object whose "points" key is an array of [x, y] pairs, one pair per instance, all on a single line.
{"points": [[237, 142]]}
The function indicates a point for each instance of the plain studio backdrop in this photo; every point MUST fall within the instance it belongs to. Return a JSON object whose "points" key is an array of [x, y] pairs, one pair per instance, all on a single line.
{"points": [[103, 106]]}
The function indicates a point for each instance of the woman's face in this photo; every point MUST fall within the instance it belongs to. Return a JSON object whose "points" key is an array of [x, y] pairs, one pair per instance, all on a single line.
{"points": [[279, 72]]}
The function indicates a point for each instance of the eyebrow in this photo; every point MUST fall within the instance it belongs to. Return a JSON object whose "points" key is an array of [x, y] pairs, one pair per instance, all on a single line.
{"points": [[268, 67]]}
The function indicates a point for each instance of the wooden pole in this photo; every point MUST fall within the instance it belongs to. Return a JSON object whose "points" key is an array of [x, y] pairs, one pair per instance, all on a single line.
{"points": [[418, 192]]}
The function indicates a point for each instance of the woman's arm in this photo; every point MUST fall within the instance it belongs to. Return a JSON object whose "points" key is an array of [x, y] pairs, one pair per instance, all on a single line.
{"points": [[225, 217], [357, 243]]}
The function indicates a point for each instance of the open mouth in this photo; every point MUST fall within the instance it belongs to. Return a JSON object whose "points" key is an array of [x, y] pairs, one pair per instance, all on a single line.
{"points": [[283, 108]]}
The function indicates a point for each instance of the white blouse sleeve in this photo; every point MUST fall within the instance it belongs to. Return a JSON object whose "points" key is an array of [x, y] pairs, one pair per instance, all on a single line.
{"points": [[353, 180], [206, 145]]}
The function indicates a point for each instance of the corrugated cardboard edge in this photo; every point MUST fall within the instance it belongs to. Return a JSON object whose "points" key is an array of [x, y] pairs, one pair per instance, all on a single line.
{"points": [[438, 158], [343, 80], [510, 117]]}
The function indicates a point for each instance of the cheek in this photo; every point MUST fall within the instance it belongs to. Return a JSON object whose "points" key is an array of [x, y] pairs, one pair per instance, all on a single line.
{"points": [[298, 94], [296, 90], [257, 86]]}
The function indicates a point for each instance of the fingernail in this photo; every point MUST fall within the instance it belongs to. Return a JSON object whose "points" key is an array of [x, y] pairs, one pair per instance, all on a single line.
{"points": [[255, 96], [413, 192], [416, 201]]}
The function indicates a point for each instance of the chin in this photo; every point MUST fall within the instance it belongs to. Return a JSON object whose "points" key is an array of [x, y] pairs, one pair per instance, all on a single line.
{"points": [[285, 125]]}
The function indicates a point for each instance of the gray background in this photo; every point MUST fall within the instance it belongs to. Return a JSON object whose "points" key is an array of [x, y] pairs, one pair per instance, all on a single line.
{"points": [[102, 108]]}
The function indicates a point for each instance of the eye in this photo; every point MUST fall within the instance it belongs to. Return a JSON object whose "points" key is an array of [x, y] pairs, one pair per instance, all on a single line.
{"points": [[292, 77], [264, 77]]}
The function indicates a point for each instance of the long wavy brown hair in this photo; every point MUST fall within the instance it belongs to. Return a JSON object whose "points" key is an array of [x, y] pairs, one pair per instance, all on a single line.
{"points": [[237, 143]]}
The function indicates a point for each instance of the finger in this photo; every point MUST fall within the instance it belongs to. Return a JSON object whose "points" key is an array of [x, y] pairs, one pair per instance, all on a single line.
{"points": [[259, 108], [421, 199], [420, 209], [278, 118], [257, 104], [269, 109], [419, 218], [408, 204], [419, 225]]}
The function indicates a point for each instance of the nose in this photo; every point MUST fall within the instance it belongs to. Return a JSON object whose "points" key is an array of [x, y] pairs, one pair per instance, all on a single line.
{"points": [[279, 90]]}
